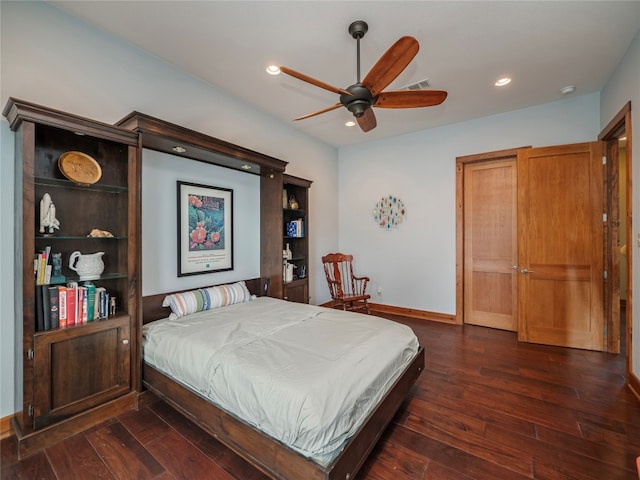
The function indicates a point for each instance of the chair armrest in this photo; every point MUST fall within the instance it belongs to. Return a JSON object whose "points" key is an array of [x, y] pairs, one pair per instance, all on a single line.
{"points": [[360, 284], [361, 278]]}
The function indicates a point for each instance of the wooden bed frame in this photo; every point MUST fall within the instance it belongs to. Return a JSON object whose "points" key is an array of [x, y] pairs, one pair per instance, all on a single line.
{"points": [[267, 454]]}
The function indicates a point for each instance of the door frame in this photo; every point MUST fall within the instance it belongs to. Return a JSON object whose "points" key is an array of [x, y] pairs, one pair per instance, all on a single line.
{"points": [[621, 122]]}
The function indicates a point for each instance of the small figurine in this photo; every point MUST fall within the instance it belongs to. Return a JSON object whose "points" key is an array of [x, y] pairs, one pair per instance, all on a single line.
{"points": [[112, 306], [293, 203], [56, 274], [48, 220]]}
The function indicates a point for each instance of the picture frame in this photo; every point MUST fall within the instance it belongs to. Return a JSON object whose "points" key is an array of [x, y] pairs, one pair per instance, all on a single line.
{"points": [[205, 229]]}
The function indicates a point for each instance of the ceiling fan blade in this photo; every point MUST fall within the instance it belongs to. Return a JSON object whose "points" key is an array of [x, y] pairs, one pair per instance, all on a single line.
{"points": [[391, 64], [410, 98], [367, 121], [313, 81], [328, 109]]}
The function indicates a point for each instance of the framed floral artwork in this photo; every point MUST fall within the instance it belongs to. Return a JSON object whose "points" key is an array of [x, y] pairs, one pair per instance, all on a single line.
{"points": [[205, 229]]}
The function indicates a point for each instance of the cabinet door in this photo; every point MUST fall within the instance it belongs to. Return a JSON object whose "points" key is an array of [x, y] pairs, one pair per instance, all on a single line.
{"points": [[78, 368], [297, 291]]}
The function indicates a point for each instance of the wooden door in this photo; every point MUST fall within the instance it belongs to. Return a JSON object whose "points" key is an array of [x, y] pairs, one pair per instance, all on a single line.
{"points": [[560, 246], [490, 244], [77, 368]]}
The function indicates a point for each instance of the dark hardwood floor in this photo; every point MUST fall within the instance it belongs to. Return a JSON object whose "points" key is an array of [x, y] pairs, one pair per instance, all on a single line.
{"points": [[486, 407]]}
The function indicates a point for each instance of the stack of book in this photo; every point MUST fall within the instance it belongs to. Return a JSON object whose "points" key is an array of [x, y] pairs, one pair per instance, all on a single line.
{"points": [[60, 306], [42, 267], [295, 228]]}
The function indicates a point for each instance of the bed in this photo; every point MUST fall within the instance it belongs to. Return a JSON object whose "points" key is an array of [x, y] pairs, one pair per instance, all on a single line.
{"points": [[245, 370]]}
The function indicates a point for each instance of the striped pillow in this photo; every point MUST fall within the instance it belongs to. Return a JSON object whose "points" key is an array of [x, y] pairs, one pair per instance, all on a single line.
{"points": [[206, 299]]}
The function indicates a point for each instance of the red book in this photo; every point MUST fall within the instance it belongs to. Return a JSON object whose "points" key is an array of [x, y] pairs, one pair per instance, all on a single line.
{"points": [[72, 305]]}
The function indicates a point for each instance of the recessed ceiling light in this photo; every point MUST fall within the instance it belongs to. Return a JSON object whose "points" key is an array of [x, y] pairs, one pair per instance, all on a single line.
{"points": [[179, 149], [567, 90], [273, 70], [501, 82], [246, 167], [350, 123]]}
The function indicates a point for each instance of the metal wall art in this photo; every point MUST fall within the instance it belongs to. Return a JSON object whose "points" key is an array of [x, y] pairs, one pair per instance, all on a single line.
{"points": [[389, 212]]}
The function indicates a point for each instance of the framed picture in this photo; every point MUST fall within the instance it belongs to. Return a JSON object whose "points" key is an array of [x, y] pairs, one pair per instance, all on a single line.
{"points": [[205, 229]]}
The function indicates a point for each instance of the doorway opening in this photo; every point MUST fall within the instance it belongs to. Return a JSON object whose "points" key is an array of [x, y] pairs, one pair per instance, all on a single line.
{"points": [[617, 136]]}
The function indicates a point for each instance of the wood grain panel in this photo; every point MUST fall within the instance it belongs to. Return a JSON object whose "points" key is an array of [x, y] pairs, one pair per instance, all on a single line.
{"points": [[183, 461], [490, 244], [124, 454], [75, 459], [560, 238]]}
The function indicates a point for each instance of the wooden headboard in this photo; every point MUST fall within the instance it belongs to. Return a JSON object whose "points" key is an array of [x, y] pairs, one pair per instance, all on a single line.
{"points": [[152, 308]]}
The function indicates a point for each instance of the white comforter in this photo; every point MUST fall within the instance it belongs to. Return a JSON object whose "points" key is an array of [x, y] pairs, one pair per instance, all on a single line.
{"points": [[305, 375]]}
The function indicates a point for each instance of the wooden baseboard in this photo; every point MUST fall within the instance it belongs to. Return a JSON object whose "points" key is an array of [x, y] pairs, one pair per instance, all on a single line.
{"points": [[31, 442], [412, 313], [5, 426], [145, 399], [634, 385], [406, 312]]}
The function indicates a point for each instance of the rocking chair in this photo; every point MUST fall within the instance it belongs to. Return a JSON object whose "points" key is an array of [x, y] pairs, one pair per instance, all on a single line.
{"points": [[347, 291]]}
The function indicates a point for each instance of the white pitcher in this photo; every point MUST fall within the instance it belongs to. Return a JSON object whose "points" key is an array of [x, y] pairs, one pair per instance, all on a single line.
{"points": [[89, 266]]}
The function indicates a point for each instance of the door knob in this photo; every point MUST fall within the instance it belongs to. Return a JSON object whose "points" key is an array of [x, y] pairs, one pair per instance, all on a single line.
{"points": [[524, 270], [515, 267]]}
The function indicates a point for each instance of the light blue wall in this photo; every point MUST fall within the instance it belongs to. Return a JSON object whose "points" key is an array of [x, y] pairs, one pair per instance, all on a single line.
{"points": [[53, 59], [160, 172], [7, 255], [415, 264]]}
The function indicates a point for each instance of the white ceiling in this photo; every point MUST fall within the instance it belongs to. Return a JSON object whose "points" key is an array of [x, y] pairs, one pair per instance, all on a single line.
{"points": [[464, 48]]}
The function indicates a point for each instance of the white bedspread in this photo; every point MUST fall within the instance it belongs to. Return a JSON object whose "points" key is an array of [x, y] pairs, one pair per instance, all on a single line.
{"points": [[305, 375]]}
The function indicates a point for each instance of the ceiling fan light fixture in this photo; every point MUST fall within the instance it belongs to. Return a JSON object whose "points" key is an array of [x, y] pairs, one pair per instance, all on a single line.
{"points": [[273, 70], [358, 107], [370, 92], [350, 123], [501, 82]]}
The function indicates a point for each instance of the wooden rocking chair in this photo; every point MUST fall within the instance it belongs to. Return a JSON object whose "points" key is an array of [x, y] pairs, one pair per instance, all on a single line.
{"points": [[347, 291]]}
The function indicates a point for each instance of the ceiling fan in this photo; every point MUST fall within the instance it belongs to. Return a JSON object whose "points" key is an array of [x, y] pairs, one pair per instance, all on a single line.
{"points": [[361, 96]]}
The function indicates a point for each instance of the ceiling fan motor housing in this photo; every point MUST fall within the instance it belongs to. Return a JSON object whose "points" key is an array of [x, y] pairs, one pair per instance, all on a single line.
{"points": [[358, 28], [359, 101]]}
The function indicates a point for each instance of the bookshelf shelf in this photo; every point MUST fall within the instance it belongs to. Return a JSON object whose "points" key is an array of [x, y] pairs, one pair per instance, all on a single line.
{"points": [[297, 289], [104, 277], [76, 373], [78, 237], [83, 329], [67, 184]]}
